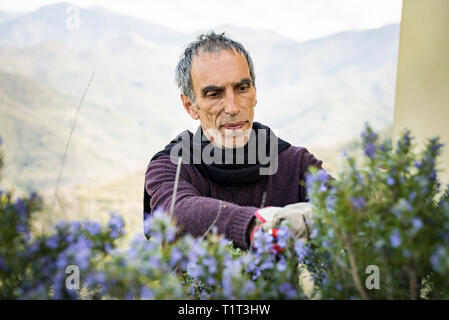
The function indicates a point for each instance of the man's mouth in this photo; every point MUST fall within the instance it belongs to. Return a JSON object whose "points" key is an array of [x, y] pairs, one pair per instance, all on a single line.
{"points": [[234, 125]]}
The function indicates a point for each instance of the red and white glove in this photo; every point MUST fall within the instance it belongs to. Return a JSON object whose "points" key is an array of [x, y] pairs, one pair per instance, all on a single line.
{"points": [[263, 215], [266, 215], [299, 216]]}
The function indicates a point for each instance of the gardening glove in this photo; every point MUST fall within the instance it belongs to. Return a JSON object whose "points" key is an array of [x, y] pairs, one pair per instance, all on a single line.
{"points": [[262, 216], [298, 215]]}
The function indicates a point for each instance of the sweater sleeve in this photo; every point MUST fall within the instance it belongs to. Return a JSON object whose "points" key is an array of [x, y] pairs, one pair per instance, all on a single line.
{"points": [[193, 212]]}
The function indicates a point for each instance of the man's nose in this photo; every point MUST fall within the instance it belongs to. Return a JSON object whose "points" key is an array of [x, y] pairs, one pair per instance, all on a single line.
{"points": [[231, 106]]}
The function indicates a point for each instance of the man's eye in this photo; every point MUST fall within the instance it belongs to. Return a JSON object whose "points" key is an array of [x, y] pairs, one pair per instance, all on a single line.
{"points": [[213, 94], [244, 87]]}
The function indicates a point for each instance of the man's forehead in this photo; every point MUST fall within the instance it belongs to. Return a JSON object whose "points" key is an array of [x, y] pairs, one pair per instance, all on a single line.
{"points": [[218, 68]]}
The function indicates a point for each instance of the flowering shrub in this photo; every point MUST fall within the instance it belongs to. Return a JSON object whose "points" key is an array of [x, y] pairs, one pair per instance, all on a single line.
{"points": [[382, 216], [38, 265], [35, 267]]}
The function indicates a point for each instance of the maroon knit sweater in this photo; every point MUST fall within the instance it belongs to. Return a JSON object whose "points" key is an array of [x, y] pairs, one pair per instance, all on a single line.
{"points": [[198, 198]]}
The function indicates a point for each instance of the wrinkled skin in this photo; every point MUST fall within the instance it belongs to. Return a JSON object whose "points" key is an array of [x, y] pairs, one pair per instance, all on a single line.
{"points": [[224, 94]]}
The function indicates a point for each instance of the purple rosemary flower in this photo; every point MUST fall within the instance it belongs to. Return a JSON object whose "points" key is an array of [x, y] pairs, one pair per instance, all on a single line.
{"points": [[210, 281], [288, 290], [395, 239], [146, 293], [370, 150], [248, 261], [80, 251], [176, 256], [211, 264], [93, 228], [196, 251], [52, 242], [227, 287], [331, 202], [436, 257], [194, 270], [322, 176], [232, 269], [282, 236], [358, 202], [263, 242], [2, 264], [281, 265], [301, 250], [406, 254], [62, 262], [314, 232], [248, 288], [116, 225], [433, 175], [417, 223], [21, 210], [390, 180]]}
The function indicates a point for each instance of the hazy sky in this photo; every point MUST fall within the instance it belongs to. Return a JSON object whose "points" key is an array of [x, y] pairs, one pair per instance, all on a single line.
{"points": [[296, 19]]}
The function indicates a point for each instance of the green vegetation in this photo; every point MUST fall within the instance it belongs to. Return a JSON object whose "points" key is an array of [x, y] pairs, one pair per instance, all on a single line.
{"points": [[379, 232]]}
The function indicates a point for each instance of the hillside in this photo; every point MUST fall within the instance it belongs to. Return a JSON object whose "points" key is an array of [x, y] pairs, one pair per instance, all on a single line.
{"points": [[35, 124], [316, 93]]}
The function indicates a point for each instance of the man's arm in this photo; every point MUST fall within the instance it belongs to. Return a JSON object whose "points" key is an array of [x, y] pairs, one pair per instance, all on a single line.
{"points": [[195, 213], [298, 214]]}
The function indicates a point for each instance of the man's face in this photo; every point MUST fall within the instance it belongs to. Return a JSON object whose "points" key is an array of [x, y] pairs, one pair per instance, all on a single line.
{"points": [[225, 97]]}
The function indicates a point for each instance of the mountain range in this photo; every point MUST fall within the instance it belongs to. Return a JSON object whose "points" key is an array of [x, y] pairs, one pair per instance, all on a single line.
{"points": [[314, 93]]}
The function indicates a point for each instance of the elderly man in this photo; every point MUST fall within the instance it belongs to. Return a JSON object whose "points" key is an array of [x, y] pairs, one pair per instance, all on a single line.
{"points": [[217, 82]]}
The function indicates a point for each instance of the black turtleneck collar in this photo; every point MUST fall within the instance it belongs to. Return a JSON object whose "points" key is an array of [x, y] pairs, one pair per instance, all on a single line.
{"points": [[234, 175], [222, 172]]}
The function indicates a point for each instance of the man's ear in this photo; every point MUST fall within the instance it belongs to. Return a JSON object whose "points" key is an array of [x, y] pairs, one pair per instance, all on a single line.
{"points": [[189, 106]]}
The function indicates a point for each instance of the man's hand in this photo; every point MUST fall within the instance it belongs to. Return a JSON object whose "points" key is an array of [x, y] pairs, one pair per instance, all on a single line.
{"points": [[299, 215]]}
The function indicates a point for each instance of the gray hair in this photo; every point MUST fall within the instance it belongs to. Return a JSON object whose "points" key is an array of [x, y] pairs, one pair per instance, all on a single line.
{"points": [[210, 42]]}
